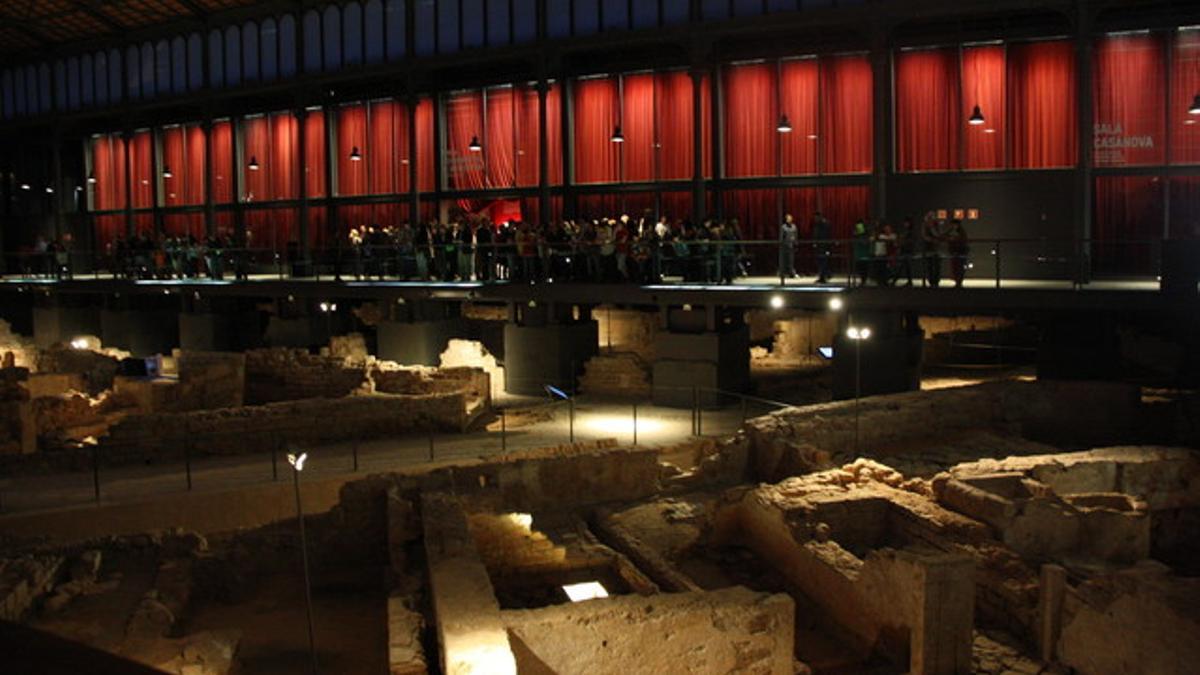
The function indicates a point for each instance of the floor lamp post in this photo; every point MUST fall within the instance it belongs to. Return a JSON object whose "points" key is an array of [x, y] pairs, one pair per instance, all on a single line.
{"points": [[297, 462], [858, 335]]}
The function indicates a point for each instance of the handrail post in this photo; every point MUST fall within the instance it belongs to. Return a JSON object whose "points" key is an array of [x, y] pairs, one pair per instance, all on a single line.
{"points": [[997, 263], [187, 463], [354, 451], [275, 461], [96, 471], [503, 432], [571, 420], [635, 422]]}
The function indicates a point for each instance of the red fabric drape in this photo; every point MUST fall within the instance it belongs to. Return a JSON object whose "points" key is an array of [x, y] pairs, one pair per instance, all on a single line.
{"points": [[173, 159], [256, 148], [554, 135], [843, 206], [1128, 218], [676, 206], [756, 210], [141, 169], [143, 223], [1129, 90], [314, 153], [530, 210], [706, 133], [846, 104], [637, 124], [351, 133], [270, 230], [1042, 103], [192, 192], [673, 122], [1185, 84], [464, 122], [500, 153], [527, 147], [184, 224], [983, 84], [108, 228], [1185, 207], [108, 166], [221, 141], [928, 110], [751, 118], [283, 173], [425, 145], [798, 100], [596, 156], [381, 154]]}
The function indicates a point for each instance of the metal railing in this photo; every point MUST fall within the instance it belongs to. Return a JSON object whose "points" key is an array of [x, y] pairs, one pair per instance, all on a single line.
{"points": [[861, 261]]}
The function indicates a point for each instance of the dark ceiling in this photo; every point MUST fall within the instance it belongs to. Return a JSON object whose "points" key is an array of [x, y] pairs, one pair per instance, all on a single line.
{"points": [[45, 24]]}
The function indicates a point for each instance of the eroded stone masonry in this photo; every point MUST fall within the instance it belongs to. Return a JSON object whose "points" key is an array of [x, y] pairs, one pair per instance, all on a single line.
{"points": [[1010, 527]]}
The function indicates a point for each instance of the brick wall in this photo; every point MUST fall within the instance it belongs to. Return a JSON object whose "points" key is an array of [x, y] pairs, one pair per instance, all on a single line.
{"points": [[282, 374]]}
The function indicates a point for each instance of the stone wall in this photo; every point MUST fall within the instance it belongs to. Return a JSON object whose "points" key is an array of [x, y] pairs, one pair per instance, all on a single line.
{"points": [[96, 367], [283, 374], [210, 380], [24, 351], [258, 429], [622, 375], [796, 338], [472, 354], [733, 630], [627, 330]]}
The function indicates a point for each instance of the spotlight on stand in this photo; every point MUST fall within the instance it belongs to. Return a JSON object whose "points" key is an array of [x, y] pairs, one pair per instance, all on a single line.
{"points": [[976, 117], [297, 461]]}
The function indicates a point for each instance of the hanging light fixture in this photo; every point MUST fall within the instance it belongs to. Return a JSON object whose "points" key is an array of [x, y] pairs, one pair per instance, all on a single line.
{"points": [[49, 190], [167, 171], [25, 186], [976, 117], [617, 136], [355, 155], [1195, 107], [253, 165], [91, 179], [784, 126], [475, 145]]}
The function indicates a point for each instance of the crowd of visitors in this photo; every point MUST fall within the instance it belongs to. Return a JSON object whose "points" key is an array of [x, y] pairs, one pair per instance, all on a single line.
{"points": [[886, 256], [185, 257]]}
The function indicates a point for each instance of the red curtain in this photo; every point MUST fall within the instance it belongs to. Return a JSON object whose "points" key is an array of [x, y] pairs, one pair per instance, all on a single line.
{"points": [[141, 169], [314, 153], [270, 230], [596, 114], [500, 153], [751, 118], [173, 159], [798, 100], [846, 104], [928, 110], [351, 134], [554, 138], [143, 223], [425, 158], [1128, 219], [637, 124], [673, 122], [464, 123], [184, 224], [983, 85], [1129, 89], [1185, 85], [1042, 103], [530, 210], [193, 166], [108, 166], [527, 147], [108, 228], [283, 173], [221, 140], [382, 154], [756, 210], [676, 206], [1185, 207]]}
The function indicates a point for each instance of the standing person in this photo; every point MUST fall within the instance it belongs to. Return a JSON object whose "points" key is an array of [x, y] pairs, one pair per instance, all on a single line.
{"points": [[958, 247], [884, 254], [466, 250], [822, 232], [787, 247], [485, 268], [621, 245], [908, 249], [421, 240], [931, 236], [861, 252], [527, 250]]}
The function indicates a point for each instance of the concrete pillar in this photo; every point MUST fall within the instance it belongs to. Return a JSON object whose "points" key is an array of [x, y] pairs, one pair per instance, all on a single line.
{"points": [[545, 345], [887, 362], [418, 332], [219, 332], [141, 332], [1078, 347], [59, 323], [701, 353]]}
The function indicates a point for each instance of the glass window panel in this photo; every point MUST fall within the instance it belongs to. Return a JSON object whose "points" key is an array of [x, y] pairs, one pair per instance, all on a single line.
{"points": [[100, 75], [616, 14], [747, 7], [216, 59], [133, 78], [558, 18], [312, 41], [396, 39], [352, 34], [147, 71], [195, 62], [587, 17], [233, 56], [72, 85], [44, 81], [269, 48], [674, 12], [250, 51], [114, 76], [19, 91], [714, 9], [287, 46], [781, 5], [645, 14], [60, 84], [162, 67], [524, 20], [472, 23], [87, 90], [1185, 84], [373, 40], [497, 22], [331, 28], [424, 30], [179, 61], [1130, 88], [6, 83], [447, 21]]}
